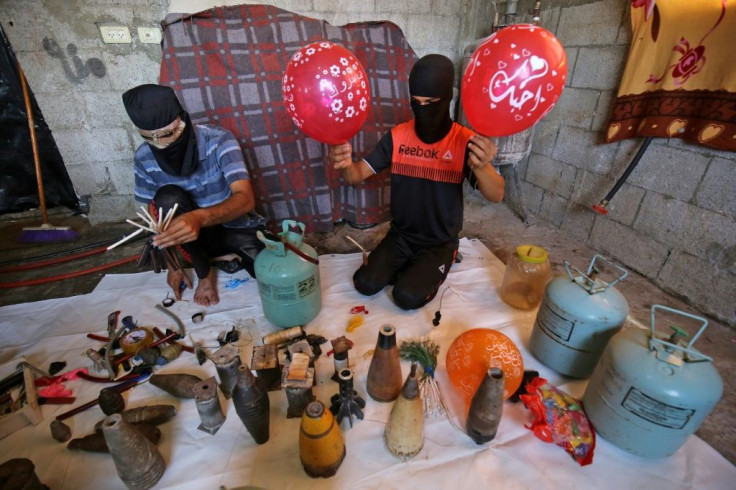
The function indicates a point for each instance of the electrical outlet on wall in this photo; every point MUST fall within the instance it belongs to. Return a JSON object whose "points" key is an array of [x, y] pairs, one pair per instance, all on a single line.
{"points": [[115, 34], [149, 35]]}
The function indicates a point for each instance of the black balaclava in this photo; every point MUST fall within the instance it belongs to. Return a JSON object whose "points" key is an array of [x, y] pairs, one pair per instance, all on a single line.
{"points": [[432, 76], [153, 107]]}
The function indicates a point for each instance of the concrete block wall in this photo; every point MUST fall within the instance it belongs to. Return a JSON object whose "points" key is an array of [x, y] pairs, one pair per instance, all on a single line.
{"points": [[83, 108], [673, 220], [78, 81]]}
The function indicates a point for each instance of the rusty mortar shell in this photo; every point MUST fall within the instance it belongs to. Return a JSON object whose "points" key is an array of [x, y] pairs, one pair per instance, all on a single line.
{"points": [[486, 407], [150, 414], [252, 405], [208, 406], [110, 401], [176, 384], [227, 361], [137, 460], [95, 442]]}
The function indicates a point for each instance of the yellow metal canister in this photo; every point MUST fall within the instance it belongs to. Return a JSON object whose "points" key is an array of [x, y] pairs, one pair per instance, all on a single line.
{"points": [[321, 448]]}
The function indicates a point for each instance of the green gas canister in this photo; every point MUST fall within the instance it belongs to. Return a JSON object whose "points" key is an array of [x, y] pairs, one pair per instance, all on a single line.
{"points": [[287, 272]]}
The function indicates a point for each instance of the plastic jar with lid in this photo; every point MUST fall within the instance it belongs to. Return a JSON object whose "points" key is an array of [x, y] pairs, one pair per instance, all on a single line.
{"points": [[526, 276]]}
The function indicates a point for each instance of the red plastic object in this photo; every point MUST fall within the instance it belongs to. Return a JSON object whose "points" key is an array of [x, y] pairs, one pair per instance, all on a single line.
{"points": [[513, 80], [326, 92], [559, 418], [600, 209]]}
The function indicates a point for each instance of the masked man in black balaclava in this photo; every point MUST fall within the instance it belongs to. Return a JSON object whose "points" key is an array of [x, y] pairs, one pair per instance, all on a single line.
{"points": [[201, 169], [429, 157]]}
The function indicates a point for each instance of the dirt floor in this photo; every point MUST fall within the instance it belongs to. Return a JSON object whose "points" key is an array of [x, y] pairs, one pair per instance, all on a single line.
{"points": [[497, 226]]}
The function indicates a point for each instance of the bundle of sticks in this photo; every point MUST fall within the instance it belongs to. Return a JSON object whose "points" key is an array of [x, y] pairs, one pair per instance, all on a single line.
{"points": [[158, 258]]}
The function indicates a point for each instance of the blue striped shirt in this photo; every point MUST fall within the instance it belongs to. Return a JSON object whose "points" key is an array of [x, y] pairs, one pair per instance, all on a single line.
{"points": [[220, 164]]}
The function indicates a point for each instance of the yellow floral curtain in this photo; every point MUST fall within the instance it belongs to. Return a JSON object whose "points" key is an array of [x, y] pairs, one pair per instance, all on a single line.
{"points": [[680, 77]]}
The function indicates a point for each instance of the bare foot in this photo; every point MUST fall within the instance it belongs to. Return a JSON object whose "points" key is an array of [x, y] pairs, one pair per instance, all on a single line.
{"points": [[176, 279], [206, 292]]}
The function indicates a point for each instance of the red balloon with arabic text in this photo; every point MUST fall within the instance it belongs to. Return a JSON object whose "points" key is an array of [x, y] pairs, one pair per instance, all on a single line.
{"points": [[513, 80], [326, 93]]}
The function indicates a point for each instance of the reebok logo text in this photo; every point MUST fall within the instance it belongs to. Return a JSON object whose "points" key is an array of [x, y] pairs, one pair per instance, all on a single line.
{"points": [[419, 152]]}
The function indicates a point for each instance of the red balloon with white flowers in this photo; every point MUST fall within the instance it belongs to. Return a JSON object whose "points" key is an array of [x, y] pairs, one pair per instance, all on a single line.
{"points": [[326, 92]]}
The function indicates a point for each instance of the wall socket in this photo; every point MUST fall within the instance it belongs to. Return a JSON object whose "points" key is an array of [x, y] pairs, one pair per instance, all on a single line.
{"points": [[149, 35], [115, 34]]}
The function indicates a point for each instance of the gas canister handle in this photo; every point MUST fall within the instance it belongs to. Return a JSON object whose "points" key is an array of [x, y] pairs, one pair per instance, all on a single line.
{"points": [[293, 231], [653, 340], [590, 281]]}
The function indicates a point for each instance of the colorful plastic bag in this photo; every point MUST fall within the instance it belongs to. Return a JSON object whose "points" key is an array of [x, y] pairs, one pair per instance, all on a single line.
{"points": [[559, 418]]}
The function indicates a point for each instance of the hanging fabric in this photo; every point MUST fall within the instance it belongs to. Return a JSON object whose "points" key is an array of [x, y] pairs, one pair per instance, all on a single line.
{"points": [[680, 79]]}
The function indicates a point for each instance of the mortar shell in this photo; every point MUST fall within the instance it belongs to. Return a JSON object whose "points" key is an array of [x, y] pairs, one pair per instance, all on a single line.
{"points": [[95, 442], [208, 405], [150, 414], [321, 448], [384, 373], [179, 385], [404, 434], [227, 361], [138, 462], [252, 405], [486, 407]]}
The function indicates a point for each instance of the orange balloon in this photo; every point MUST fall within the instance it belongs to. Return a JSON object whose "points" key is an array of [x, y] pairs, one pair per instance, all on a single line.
{"points": [[473, 352]]}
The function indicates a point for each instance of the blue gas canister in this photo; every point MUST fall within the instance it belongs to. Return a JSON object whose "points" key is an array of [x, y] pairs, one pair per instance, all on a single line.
{"points": [[288, 279], [650, 392], [578, 315]]}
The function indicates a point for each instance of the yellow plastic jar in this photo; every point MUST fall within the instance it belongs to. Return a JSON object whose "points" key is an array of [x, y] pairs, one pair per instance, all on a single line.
{"points": [[526, 276]]}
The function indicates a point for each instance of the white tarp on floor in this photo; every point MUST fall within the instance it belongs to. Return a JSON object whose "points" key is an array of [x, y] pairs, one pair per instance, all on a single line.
{"points": [[56, 330]]}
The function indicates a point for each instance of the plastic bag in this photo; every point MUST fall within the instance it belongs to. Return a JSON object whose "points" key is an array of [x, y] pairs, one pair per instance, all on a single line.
{"points": [[559, 418]]}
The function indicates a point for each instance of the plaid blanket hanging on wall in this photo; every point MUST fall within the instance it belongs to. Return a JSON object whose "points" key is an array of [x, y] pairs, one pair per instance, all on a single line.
{"points": [[226, 65]]}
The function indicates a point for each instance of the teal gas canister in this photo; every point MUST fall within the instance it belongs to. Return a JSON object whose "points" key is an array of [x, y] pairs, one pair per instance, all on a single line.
{"points": [[650, 392], [287, 272], [578, 316]]}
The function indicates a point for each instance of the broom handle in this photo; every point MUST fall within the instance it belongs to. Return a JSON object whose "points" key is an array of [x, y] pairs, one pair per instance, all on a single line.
{"points": [[34, 144]]}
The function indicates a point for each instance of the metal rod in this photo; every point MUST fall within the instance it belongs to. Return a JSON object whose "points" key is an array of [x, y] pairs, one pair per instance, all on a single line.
{"points": [[125, 239], [140, 225], [34, 145]]}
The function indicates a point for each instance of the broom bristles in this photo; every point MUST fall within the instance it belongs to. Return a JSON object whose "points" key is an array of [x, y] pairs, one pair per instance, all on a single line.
{"points": [[48, 233]]}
